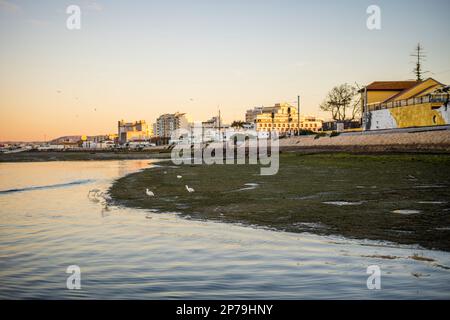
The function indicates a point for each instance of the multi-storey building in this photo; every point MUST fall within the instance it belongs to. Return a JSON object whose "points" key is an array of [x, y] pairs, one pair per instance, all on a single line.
{"points": [[283, 118], [132, 131], [169, 122]]}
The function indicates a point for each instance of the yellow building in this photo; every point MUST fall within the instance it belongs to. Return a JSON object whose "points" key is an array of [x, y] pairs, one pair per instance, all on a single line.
{"points": [[402, 104], [283, 118], [131, 131]]}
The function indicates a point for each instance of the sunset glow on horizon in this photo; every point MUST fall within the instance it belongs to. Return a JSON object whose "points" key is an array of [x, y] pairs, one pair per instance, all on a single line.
{"points": [[137, 60]]}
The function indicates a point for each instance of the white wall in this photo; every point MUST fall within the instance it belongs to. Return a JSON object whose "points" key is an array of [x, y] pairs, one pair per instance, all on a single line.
{"points": [[379, 119]]}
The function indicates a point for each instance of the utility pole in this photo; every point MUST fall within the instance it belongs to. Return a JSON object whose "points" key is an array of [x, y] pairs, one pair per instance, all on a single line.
{"points": [[298, 115], [273, 122], [220, 133], [420, 56]]}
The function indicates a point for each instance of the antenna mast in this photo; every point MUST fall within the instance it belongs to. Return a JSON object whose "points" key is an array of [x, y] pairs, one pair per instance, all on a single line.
{"points": [[419, 56]]}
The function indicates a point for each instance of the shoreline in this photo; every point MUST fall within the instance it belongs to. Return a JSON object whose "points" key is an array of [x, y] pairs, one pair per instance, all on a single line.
{"points": [[385, 205], [42, 156], [381, 150], [381, 143]]}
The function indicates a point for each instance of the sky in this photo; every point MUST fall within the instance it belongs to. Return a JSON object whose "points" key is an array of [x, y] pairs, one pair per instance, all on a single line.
{"points": [[136, 60]]}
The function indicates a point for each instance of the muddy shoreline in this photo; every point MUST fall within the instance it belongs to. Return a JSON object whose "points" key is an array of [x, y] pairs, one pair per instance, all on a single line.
{"points": [[40, 156], [401, 198]]}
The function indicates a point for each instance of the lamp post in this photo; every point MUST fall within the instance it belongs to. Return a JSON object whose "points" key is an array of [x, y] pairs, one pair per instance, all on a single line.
{"points": [[273, 119]]}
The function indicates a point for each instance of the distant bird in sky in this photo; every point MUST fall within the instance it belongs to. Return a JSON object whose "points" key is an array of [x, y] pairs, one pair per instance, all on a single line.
{"points": [[58, 91], [189, 189], [149, 193], [179, 177]]}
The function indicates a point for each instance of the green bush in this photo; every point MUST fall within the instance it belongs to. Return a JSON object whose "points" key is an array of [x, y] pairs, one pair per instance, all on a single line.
{"points": [[334, 134], [306, 132], [320, 134]]}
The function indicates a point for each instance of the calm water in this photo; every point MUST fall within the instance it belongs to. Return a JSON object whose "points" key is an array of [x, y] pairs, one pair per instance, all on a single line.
{"points": [[47, 222]]}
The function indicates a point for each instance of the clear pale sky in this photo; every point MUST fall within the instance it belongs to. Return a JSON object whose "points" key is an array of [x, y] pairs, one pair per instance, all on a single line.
{"points": [[135, 60]]}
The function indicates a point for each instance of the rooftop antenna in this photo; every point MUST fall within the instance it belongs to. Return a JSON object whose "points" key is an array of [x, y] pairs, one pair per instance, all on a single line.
{"points": [[419, 55]]}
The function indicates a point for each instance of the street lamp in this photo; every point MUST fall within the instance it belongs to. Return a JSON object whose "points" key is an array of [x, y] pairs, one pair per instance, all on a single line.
{"points": [[273, 122]]}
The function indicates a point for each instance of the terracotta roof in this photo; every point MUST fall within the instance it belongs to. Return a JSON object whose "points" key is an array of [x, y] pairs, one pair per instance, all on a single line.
{"points": [[436, 83], [392, 85]]}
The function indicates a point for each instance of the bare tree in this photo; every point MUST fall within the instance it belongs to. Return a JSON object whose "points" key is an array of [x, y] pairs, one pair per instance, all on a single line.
{"points": [[237, 124], [344, 103]]}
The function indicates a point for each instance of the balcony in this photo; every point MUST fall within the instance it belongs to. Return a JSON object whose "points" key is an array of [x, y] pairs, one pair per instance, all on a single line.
{"points": [[434, 98]]}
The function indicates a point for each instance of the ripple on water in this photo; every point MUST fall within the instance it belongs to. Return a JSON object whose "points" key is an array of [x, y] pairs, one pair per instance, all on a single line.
{"points": [[143, 254]]}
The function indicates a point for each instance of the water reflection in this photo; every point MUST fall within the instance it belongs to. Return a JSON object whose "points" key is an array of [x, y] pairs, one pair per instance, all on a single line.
{"points": [[129, 253]]}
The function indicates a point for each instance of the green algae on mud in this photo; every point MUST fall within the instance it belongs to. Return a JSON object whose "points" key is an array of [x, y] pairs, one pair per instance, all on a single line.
{"points": [[355, 196]]}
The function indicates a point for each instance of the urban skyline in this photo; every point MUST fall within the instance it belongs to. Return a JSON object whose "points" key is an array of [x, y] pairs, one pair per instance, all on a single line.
{"points": [[140, 61]]}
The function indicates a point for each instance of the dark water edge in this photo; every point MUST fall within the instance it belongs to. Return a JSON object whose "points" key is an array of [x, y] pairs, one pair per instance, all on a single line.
{"points": [[41, 156], [163, 152], [402, 198]]}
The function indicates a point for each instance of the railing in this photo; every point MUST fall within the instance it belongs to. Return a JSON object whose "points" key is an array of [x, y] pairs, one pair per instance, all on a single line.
{"points": [[435, 98]]}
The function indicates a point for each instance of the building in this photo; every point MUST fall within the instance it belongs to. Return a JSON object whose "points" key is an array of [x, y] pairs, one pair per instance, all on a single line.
{"points": [[169, 122], [133, 131], [104, 141], [67, 141], [213, 123], [403, 104], [283, 118], [250, 115]]}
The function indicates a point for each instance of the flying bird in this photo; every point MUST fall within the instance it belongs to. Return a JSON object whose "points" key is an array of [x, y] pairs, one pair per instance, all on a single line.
{"points": [[149, 193], [189, 189]]}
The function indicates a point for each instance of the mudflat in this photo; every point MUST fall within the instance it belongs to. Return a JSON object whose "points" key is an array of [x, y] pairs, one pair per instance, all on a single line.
{"points": [[402, 198]]}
